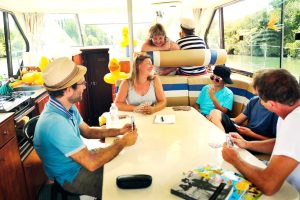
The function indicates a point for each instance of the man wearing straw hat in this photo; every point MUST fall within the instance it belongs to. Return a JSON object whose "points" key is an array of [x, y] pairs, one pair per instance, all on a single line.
{"points": [[57, 140]]}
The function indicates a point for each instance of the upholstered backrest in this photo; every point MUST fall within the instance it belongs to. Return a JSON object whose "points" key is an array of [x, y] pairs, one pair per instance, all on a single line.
{"points": [[195, 85], [176, 90], [241, 89], [184, 90], [243, 92]]}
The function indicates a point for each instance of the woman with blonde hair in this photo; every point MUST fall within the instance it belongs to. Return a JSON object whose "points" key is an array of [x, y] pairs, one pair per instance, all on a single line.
{"points": [[143, 91], [158, 41]]}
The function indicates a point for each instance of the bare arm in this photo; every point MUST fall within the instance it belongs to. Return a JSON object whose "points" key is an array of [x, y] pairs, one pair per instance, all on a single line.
{"points": [[215, 100], [248, 132], [121, 97], [174, 46], [197, 107], [92, 160], [169, 45], [163, 71], [101, 133], [241, 118], [263, 146], [268, 180]]}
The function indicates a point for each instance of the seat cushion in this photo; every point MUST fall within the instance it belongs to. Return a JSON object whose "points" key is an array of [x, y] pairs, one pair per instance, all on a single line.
{"points": [[176, 90]]}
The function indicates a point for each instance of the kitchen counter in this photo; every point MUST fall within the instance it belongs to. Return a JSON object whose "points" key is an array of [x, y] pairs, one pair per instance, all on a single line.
{"points": [[38, 93], [4, 116]]}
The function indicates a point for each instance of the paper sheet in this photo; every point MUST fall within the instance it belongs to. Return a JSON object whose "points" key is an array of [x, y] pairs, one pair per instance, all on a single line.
{"points": [[164, 119]]}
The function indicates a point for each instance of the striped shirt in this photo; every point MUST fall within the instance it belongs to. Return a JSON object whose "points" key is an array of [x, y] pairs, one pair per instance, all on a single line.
{"points": [[192, 42]]}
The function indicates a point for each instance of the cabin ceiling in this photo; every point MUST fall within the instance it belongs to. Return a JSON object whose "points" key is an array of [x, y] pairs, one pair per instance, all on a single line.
{"points": [[84, 6]]}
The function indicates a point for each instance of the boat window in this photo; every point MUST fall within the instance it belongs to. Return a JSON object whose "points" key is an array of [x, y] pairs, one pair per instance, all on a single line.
{"points": [[253, 36], [67, 28], [3, 56], [213, 36], [291, 50], [13, 44], [250, 42], [18, 45]]}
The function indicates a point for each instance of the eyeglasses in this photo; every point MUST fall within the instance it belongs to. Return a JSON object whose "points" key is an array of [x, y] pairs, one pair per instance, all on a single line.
{"points": [[82, 83], [217, 79]]}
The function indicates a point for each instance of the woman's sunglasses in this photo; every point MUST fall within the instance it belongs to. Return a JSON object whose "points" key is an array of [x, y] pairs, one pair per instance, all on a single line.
{"points": [[217, 79]]}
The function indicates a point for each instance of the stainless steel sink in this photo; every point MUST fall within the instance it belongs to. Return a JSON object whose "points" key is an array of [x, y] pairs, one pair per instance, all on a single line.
{"points": [[28, 88], [24, 93]]}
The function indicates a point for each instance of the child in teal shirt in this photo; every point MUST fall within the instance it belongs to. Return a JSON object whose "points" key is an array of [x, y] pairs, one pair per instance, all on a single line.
{"points": [[216, 95]]}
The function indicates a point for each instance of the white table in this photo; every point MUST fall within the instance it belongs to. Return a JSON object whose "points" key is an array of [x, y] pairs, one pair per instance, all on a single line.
{"points": [[165, 151]]}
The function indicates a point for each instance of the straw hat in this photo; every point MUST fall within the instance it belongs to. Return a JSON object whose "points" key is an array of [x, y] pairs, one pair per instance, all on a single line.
{"points": [[62, 73]]}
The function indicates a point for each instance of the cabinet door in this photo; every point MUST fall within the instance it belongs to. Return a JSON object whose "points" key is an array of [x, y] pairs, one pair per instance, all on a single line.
{"points": [[12, 184], [7, 131], [99, 96], [41, 102]]}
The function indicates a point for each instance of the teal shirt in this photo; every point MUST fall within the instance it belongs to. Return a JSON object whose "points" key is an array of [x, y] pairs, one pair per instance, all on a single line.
{"points": [[224, 96], [57, 136]]}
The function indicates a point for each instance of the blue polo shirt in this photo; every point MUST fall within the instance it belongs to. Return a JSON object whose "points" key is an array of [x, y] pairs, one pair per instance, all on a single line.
{"points": [[224, 97], [260, 120], [57, 136]]}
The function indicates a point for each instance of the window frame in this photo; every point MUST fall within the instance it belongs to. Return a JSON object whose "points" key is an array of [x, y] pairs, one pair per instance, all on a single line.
{"points": [[7, 39], [222, 40]]}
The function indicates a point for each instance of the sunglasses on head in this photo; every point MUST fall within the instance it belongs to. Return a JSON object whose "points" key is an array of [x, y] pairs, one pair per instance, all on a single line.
{"points": [[217, 79], [141, 56]]}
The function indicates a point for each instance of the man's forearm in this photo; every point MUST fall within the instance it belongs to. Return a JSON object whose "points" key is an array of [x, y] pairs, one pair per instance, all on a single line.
{"points": [[258, 136], [254, 174], [265, 146], [100, 133], [100, 156]]}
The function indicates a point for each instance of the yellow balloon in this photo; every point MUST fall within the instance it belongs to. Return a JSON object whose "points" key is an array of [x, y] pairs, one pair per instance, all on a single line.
{"points": [[43, 63], [29, 77]]}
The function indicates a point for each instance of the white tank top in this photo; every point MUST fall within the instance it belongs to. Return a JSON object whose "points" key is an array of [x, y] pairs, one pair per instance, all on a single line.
{"points": [[135, 99]]}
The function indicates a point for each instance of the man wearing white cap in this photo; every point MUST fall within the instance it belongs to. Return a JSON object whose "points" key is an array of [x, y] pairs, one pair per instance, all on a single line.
{"points": [[188, 40], [57, 140]]}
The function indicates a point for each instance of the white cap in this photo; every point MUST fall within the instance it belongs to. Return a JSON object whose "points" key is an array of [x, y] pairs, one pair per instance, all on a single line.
{"points": [[187, 23]]}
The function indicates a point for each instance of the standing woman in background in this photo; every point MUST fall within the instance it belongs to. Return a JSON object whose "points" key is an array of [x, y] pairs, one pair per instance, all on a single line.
{"points": [[143, 91], [158, 41]]}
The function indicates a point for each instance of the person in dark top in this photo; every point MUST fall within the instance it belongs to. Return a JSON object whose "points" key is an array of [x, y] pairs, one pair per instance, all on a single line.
{"points": [[188, 40], [261, 123]]}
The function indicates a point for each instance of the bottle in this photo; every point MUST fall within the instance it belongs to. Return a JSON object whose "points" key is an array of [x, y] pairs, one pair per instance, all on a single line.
{"points": [[114, 115]]}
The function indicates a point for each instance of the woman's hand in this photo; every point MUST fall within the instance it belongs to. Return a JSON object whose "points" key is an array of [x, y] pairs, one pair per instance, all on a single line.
{"points": [[147, 109]]}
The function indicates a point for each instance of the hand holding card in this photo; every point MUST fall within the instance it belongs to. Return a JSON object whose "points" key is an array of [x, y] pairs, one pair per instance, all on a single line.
{"points": [[132, 123], [229, 141]]}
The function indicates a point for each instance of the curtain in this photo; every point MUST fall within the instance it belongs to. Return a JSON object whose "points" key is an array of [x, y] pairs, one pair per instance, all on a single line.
{"points": [[197, 12], [33, 24]]}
